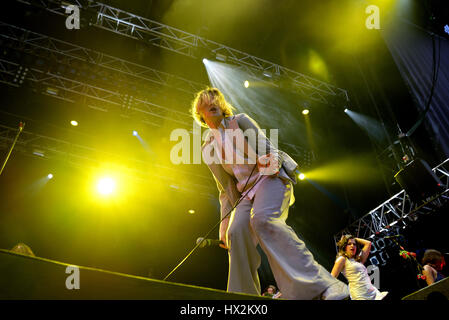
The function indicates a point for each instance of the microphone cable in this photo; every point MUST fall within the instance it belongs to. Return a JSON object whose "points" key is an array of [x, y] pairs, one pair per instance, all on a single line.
{"points": [[217, 224]]}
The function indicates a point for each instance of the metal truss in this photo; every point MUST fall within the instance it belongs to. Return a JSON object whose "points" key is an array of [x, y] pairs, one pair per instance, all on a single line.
{"points": [[181, 42], [68, 86], [71, 90], [84, 157], [398, 210], [71, 54]]}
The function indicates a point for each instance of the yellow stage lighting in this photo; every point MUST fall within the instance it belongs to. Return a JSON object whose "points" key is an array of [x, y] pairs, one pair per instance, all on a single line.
{"points": [[246, 84], [74, 123], [106, 186], [305, 111], [302, 176]]}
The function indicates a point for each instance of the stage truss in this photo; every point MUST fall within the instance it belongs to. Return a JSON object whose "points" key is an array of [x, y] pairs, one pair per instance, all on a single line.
{"points": [[155, 33], [398, 210]]}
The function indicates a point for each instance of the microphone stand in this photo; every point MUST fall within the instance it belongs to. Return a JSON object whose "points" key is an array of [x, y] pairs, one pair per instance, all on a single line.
{"points": [[216, 225], [21, 126]]}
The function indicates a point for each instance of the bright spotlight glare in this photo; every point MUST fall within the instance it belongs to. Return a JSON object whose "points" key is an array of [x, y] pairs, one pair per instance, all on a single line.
{"points": [[246, 83], [135, 133], [302, 176], [74, 123], [346, 110], [305, 111], [106, 186], [204, 60], [191, 211], [50, 176]]}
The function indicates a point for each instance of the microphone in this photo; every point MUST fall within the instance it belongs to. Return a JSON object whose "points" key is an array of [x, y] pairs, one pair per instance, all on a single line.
{"points": [[208, 242]]}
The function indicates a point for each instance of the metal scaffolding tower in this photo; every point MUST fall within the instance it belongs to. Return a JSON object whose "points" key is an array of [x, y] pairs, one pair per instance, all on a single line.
{"points": [[398, 210]]}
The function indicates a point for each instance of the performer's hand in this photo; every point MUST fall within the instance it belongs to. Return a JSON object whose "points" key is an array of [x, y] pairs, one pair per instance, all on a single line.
{"points": [[268, 164], [222, 233]]}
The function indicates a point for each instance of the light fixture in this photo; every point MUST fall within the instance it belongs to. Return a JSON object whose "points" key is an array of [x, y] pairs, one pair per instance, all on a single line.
{"points": [[106, 186], [305, 111], [246, 83], [220, 57], [74, 123]]}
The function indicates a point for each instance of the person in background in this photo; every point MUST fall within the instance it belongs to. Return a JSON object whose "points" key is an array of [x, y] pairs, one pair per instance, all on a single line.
{"points": [[271, 292], [352, 254], [433, 262], [22, 248]]}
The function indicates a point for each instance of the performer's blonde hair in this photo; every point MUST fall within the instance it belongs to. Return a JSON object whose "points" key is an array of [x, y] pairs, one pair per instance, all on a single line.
{"points": [[207, 97]]}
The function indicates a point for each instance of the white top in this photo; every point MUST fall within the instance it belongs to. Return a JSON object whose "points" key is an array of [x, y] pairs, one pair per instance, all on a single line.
{"points": [[239, 166], [360, 286]]}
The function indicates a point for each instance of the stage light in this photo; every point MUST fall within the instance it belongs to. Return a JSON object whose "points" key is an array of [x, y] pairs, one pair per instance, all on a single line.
{"points": [[106, 186], [246, 84], [74, 123], [39, 153], [191, 211], [267, 74], [220, 57], [135, 133], [446, 29], [305, 111], [52, 91], [204, 60], [302, 176], [50, 176]]}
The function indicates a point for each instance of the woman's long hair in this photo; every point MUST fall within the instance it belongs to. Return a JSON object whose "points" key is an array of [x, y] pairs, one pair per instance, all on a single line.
{"points": [[342, 247]]}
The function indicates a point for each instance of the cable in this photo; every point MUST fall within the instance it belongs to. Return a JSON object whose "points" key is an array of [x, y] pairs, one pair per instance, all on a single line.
{"points": [[21, 126], [435, 73], [217, 224]]}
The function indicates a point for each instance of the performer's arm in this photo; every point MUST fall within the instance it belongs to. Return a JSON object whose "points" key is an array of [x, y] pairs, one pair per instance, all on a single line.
{"points": [[223, 234], [428, 273], [266, 151], [365, 249], [338, 266]]}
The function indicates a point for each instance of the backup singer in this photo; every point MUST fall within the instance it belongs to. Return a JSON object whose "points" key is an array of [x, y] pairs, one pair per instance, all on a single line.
{"points": [[352, 254], [259, 218]]}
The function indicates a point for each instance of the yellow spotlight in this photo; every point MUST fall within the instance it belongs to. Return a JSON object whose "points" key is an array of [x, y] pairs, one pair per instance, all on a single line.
{"points": [[305, 111], [191, 211], [50, 176], [302, 176], [106, 186], [74, 123], [246, 83]]}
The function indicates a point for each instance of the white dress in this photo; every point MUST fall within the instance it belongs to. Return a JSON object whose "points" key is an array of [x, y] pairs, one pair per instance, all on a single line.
{"points": [[360, 286]]}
